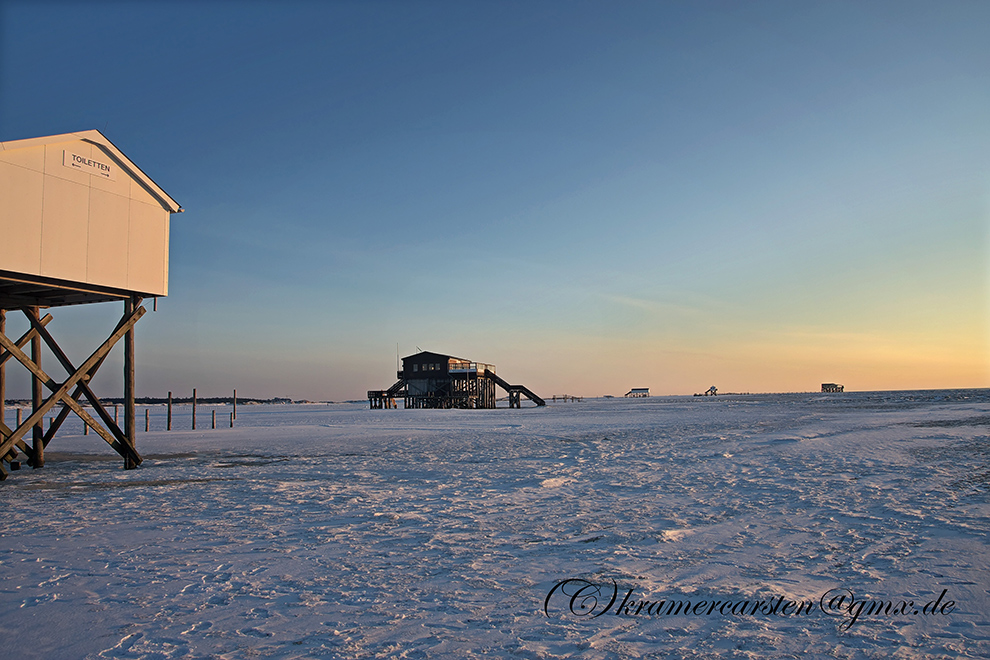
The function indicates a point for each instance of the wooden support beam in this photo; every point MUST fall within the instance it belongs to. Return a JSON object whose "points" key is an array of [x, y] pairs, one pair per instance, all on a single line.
{"points": [[57, 422], [6, 432], [38, 431], [130, 424], [111, 423], [19, 444], [121, 448], [3, 370], [60, 392], [4, 356], [24, 339], [87, 420]]}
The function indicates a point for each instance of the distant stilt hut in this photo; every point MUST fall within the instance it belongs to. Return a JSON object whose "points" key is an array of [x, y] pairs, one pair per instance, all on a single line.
{"points": [[433, 380]]}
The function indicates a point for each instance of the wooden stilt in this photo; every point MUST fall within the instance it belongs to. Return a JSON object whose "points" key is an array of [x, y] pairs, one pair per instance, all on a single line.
{"points": [[6, 432], [38, 434], [77, 380], [168, 424], [116, 436], [130, 425], [214, 423], [194, 410], [147, 420], [234, 414], [130, 418], [3, 368]]}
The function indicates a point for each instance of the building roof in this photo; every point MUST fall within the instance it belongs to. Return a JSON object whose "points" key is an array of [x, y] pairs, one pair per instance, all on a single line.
{"points": [[100, 140], [432, 355]]}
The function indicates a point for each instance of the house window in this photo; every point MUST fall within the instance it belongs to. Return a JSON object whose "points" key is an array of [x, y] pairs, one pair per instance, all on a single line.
{"points": [[415, 367]]}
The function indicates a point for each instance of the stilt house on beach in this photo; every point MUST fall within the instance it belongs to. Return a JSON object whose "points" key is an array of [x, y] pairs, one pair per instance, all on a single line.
{"points": [[80, 224], [432, 380]]}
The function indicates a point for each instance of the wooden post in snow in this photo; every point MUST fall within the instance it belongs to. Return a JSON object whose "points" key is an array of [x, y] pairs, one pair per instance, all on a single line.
{"points": [[130, 423], [3, 368], [38, 445]]}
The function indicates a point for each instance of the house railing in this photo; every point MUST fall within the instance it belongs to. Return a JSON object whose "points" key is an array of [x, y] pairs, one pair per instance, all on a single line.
{"points": [[459, 367]]}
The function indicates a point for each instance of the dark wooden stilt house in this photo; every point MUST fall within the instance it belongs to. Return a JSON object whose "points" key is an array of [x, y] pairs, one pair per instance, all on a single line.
{"points": [[432, 380]]}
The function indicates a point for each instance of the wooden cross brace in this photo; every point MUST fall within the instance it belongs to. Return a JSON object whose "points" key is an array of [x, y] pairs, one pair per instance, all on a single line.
{"points": [[4, 356], [60, 391]]}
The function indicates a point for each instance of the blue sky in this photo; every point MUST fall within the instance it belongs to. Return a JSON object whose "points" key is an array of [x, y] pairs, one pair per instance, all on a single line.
{"points": [[592, 196]]}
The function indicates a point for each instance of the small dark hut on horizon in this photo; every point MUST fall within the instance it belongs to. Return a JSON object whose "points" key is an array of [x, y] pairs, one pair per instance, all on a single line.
{"points": [[433, 380]]}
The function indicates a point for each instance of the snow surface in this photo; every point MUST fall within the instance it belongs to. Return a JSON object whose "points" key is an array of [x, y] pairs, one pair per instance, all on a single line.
{"points": [[336, 531]]}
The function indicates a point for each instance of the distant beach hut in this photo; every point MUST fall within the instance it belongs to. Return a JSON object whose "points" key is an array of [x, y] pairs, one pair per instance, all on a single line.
{"points": [[434, 380], [638, 392]]}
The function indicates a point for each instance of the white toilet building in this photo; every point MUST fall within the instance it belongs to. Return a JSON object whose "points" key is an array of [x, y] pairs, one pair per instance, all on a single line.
{"points": [[78, 217], [79, 223]]}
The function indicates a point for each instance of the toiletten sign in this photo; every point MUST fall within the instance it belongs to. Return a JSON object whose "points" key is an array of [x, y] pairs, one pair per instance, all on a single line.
{"points": [[89, 165]]}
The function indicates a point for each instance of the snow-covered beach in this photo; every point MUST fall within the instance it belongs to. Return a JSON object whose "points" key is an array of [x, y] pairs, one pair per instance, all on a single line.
{"points": [[336, 531]]}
